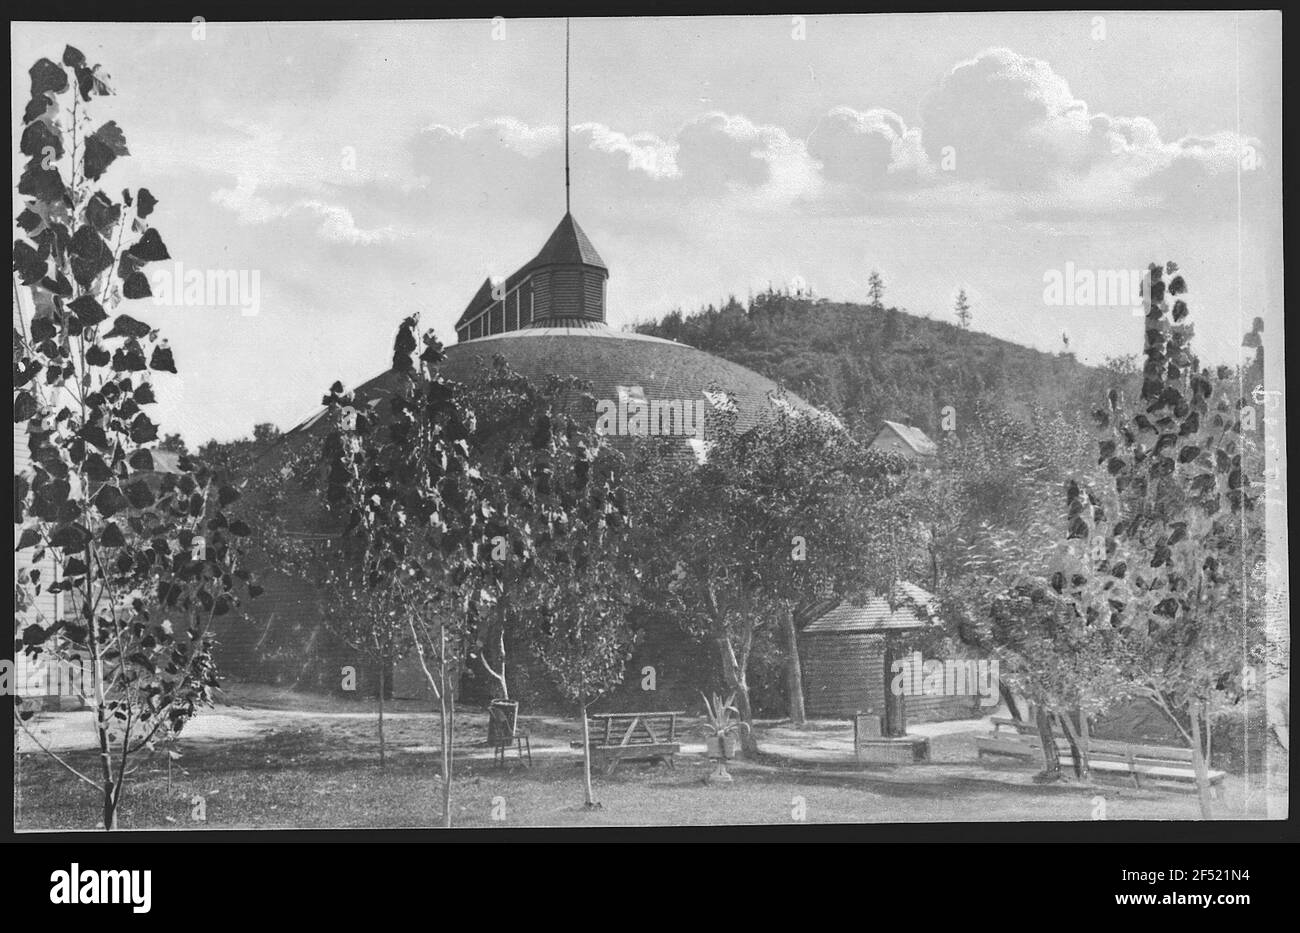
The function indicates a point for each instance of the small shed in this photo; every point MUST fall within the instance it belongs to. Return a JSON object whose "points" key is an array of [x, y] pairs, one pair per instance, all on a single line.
{"points": [[848, 653], [904, 439]]}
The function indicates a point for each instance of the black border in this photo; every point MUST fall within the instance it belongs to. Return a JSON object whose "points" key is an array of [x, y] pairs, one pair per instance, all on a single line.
{"points": [[1098, 838]]}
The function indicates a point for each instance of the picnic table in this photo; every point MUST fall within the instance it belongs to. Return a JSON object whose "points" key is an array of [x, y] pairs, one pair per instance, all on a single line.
{"points": [[615, 737]]}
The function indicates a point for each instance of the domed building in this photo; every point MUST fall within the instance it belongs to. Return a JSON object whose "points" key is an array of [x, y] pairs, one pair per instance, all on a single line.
{"points": [[549, 317]]}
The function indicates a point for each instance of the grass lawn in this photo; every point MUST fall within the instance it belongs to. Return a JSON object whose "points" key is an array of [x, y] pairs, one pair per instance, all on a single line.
{"points": [[280, 761]]}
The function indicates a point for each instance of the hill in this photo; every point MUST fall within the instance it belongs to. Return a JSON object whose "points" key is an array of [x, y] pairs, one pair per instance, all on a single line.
{"points": [[867, 364]]}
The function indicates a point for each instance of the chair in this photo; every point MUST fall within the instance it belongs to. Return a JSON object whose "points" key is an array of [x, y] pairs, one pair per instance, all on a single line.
{"points": [[503, 731]]}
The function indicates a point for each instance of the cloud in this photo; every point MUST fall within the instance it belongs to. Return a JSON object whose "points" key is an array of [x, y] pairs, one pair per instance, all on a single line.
{"points": [[335, 222], [758, 165], [868, 149], [509, 132], [645, 152], [1000, 133], [1014, 124]]}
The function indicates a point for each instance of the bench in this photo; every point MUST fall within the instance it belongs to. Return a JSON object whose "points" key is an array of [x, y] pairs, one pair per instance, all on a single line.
{"points": [[1015, 739], [615, 737]]}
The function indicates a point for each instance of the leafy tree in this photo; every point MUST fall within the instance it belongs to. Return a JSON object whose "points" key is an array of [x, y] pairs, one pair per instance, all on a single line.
{"points": [[173, 443], [404, 481], [237, 457], [776, 521], [369, 620], [1165, 545], [992, 511], [531, 448], [582, 589], [561, 570], [145, 557]]}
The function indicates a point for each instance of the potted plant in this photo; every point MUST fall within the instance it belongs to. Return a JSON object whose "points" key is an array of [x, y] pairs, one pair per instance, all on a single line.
{"points": [[722, 733]]}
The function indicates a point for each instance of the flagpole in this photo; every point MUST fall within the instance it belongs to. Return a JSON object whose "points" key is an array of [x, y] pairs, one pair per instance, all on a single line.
{"points": [[566, 115]]}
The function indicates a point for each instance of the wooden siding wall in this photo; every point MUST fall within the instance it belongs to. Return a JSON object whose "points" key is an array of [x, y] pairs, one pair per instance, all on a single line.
{"points": [[566, 288], [541, 295], [593, 297], [843, 673], [554, 293]]}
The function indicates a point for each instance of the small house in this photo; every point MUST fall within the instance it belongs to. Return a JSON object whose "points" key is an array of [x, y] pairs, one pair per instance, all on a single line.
{"points": [[852, 658], [898, 438]]}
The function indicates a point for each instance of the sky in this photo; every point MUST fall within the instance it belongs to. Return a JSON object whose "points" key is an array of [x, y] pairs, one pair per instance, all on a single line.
{"points": [[360, 172]]}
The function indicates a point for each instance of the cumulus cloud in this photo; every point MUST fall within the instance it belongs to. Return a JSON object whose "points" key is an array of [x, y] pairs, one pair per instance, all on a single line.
{"points": [[868, 149], [758, 164], [1001, 131], [1013, 123]]}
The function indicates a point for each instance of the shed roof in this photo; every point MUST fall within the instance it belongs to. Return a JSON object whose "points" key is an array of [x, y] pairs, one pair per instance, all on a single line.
{"points": [[914, 438], [913, 608]]}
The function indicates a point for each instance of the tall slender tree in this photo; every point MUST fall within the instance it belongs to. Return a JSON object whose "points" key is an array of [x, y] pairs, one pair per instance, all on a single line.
{"points": [[145, 555], [961, 310], [1169, 540], [876, 289]]}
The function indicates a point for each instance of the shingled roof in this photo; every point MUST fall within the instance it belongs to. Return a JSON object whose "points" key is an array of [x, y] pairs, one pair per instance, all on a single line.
{"points": [[912, 608], [609, 360], [913, 438], [568, 245], [481, 297]]}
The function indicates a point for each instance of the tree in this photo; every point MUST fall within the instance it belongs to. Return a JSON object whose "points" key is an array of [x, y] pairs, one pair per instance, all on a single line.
{"points": [[992, 511], [146, 555], [582, 594], [561, 564], [531, 448], [777, 520], [876, 290], [961, 309], [404, 481], [833, 523], [368, 619], [173, 443], [237, 457], [1167, 542]]}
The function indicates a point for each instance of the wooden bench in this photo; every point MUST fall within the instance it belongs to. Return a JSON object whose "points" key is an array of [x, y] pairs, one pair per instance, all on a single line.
{"points": [[1015, 739], [615, 737]]}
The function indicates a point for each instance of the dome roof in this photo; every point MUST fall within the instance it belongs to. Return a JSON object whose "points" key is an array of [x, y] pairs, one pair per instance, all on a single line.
{"points": [[618, 365], [610, 359], [549, 319]]}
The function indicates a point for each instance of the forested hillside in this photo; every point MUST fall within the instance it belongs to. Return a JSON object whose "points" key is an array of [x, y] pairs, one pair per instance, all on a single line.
{"points": [[868, 363]]}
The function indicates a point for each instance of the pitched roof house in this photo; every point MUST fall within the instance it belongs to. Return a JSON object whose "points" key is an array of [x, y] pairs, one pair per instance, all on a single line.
{"points": [[895, 437]]}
